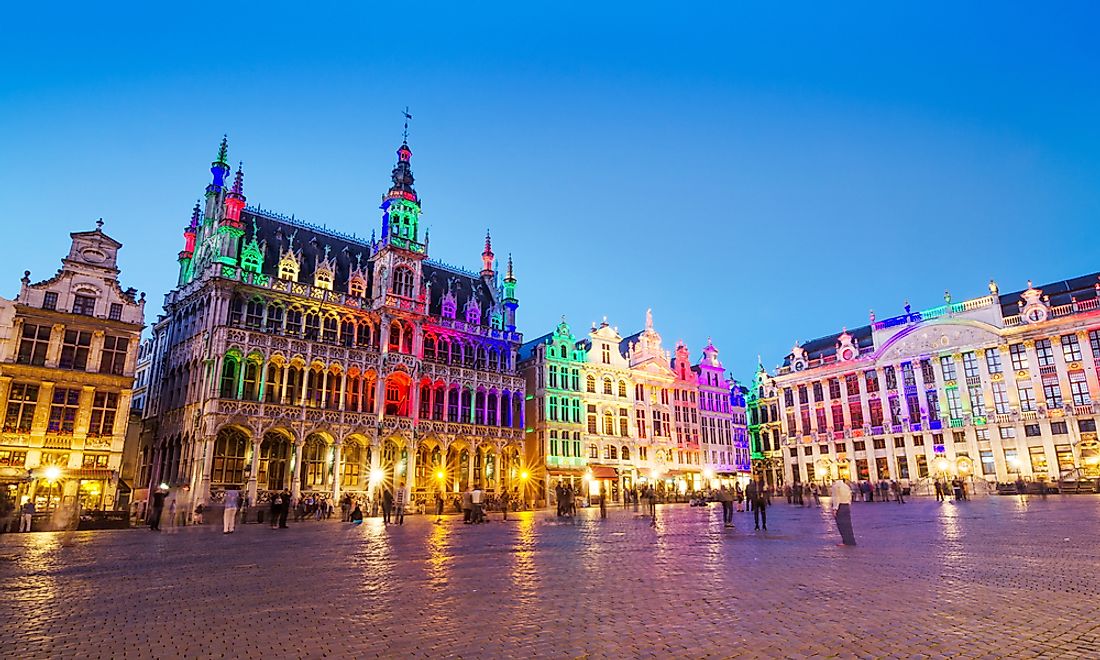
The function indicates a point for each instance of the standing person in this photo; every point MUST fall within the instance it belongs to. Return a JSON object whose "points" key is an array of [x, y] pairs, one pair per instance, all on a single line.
{"points": [[759, 505], [438, 506], [739, 495], [504, 499], [28, 516], [229, 517], [841, 496], [284, 508], [399, 503], [477, 498], [387, 506], [200, 509], [816, 491], [939, 491], [276, 509], [158, 509], [467, 507], [726, 499]]}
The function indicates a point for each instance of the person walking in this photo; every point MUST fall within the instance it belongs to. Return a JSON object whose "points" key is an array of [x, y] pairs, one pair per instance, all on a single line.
{"points": [[27, 517], [387, 506], [438, 506], [759, 501], [399, 503], [158, 509], [467, 507], [841, 503], [229, 516], [739, 496]]}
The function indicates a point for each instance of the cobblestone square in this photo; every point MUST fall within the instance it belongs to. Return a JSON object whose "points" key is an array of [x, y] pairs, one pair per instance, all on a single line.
{"points": [[995, 577]]}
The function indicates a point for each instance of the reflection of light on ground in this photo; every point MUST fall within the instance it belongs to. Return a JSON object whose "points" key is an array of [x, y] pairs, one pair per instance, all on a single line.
{"points": [[524, 575], [438, 553]]}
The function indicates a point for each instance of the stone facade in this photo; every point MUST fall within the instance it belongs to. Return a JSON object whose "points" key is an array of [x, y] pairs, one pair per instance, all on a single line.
{"points": [[68, 347], [988, 390], [295, 357]]}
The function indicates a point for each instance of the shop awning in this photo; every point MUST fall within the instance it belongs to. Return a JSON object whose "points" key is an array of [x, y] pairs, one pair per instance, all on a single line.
{"points": [[124, 487], [603, 472]]}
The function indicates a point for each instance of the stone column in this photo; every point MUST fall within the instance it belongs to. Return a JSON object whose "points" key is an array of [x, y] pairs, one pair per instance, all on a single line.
{"points": [[296, 474], [337, 470], [470, 465], [282, 386], [324, 389], [410, 473], [95, 351], [251, 488], [53, 349], [343, 389]]}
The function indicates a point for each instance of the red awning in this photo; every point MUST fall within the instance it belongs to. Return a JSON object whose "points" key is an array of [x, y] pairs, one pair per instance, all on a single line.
{"points": [[603, 472]]}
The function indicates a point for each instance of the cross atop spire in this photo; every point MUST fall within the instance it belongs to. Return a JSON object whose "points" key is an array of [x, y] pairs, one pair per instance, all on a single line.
{"points": [[405, 133]]}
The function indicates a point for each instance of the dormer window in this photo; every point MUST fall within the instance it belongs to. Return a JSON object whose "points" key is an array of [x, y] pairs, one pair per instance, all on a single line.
{"points": [[357, 288], [50, 300], [473, 314], [84, 305], [323, 280], [449, 307], [288, 269]]}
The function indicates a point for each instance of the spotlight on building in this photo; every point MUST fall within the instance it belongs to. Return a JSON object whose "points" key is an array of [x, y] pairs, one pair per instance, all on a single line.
{"points": [[376, 475], [53, 473]]}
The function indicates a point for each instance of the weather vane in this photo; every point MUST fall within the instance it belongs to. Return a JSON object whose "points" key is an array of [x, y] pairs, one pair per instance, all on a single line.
{"points": [[405, 135]]}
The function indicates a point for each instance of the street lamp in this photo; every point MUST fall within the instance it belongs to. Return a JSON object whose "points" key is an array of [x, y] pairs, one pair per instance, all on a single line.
{"points": [[53, 473]]}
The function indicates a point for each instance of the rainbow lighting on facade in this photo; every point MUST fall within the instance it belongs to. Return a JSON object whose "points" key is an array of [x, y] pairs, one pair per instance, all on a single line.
{"points": [[623, 412], [291, 356], [988, 390]]}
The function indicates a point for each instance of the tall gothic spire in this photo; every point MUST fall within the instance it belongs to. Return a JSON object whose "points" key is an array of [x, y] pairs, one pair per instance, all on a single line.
{"points": [[220, 167], [487, 257], [402, 176]]}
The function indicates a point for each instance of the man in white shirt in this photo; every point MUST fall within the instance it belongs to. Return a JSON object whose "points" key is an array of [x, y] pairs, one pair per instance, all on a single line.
{"points": [[476, 497], [229, 517], [841, 503]]}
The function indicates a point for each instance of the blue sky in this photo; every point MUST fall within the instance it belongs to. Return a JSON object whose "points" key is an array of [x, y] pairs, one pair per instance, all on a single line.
{"points": [[756, 173]]}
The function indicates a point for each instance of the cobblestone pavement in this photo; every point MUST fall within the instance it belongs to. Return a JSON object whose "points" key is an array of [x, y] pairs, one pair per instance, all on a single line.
{"points": [[995, 577]]}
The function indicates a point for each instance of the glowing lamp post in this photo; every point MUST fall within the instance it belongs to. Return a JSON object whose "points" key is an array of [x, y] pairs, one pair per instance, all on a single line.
{"points": [[52, 473]]}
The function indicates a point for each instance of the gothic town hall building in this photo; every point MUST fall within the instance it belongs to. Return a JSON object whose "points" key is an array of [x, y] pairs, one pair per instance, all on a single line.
{"points": [[294, 357]]}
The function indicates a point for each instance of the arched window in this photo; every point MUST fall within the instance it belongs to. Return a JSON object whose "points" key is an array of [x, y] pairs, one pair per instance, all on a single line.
{"points": [[466, 411], [364, 333], [252, 369], [322, 279], [625, 453], [357, 287], [314, 474], [397, 395], [315, 381], [429, 347], [254, 313], [564, 351], [352, 457], [236, 310], [590, 382], [347, 332], [274, 382], [607, 386], [608, 423], [492, 405], [403, 282], [313, 325], [331, 323], [425, 407], [453, 405], [228, 465], [479, 408], [231, 366], [614, 452], [622, 388], [438, 402], [274, 318], [294, 321], [274, 461]]}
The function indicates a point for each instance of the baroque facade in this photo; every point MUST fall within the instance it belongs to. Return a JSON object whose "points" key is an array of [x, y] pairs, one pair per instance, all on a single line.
{"points": [[989, 390], [291, 356], [68, 347], [610, 414]]}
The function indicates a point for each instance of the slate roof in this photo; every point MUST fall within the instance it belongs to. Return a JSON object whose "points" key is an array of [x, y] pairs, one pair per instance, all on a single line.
{"points": [[344, 249], [527, 350]]}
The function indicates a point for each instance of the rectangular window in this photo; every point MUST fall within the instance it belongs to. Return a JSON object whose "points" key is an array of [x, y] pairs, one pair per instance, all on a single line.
{"points": [[989, 467], [1045, 352], [1012, 459], [899, 443], [1079, 391], [49, 301], [113, 358], [927, 372], [834, 388], [903, 467], [879, 443], [959, 437], [947, 366], [1038, 457], [954, 403], [84, 305], [116, 312], [993, 360], [1052, 391], [855, 412], [922, 466], [1027, 397], [96, 461], [20, 409], [891, 378], [1071, 349], [34, 343], [870, 378], [977, 400], [74, 351], [841, 448], [1086, 425], [66, 402], [605, 354], [1007, 432], [1064, 454], [983, 434], [875, 406], [1019, 357], [933, 400], [1000, 398], [970, 364], [10, 458], [851, 381], [818, 396], [1094, 343], [1059, 428], [907, 375], [593, 451], [862, 473], [859, 445], [1032, 430], [104, 407], [918, 440]]}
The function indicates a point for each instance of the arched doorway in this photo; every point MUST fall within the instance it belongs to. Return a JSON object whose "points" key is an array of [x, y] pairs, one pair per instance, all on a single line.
{"points": [[314, 472], [274, 465]]}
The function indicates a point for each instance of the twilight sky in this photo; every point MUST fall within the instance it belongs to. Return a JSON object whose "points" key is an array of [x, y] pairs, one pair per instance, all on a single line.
{"points": [[756, 174]]}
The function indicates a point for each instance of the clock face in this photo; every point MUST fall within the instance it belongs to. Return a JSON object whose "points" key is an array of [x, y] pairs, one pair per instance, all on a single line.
{"points": [[846, 354], [1036, 314], [94, 256]]}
